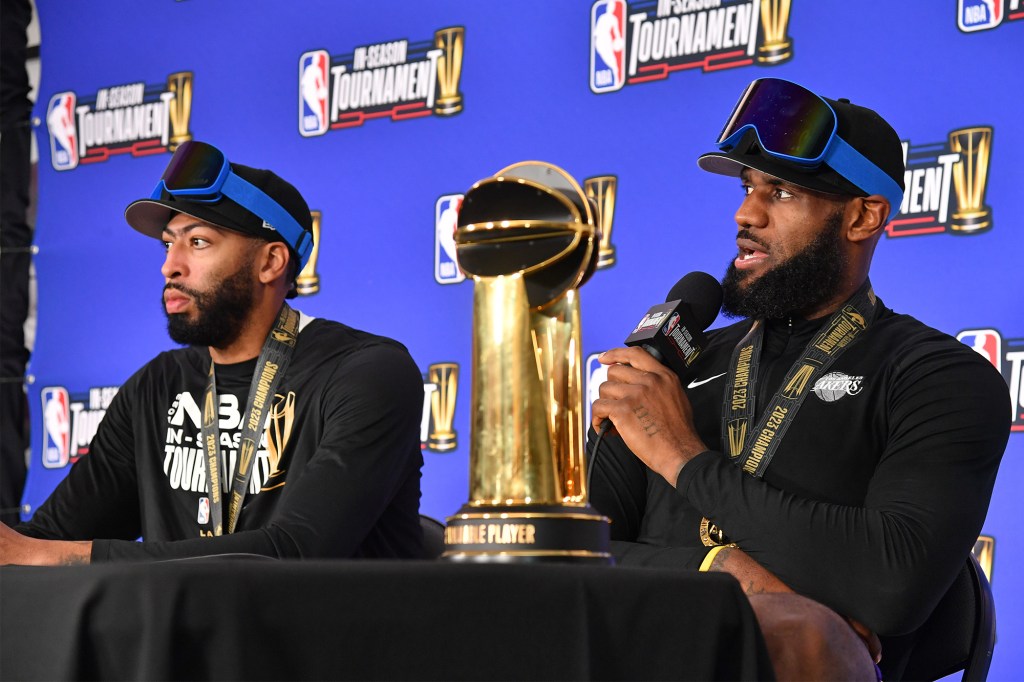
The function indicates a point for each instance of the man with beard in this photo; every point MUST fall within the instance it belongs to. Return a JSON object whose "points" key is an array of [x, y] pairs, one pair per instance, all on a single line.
{"points": [[835, 456], [272, 433]]}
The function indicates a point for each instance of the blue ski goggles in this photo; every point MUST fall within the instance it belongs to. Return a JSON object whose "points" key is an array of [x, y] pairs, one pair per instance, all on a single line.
{"points": [[795, 125], [200, 172]]}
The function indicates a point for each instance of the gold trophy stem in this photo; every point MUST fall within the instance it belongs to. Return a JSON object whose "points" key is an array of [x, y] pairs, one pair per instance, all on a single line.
{"points": [[510, 459], [556, 341]]}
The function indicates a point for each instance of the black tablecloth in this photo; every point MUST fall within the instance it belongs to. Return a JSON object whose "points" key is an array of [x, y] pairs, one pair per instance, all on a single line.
{"points": [[231, 619]]}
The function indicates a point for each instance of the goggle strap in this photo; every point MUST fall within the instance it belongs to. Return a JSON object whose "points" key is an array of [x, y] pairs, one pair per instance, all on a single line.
{"points": [[255, 200], [856, 168]]}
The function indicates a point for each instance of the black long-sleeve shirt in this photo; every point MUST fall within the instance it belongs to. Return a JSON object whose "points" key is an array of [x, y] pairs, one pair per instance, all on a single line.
{"points": [[337, 473], [873, 499]]}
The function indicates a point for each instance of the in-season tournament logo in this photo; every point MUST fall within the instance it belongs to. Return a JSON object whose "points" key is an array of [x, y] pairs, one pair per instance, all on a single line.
{"points": [[184, 461], [600, 189], [132, 118], [70, 421], [1007, 356], [639, 42], [979, 15], [440, 390], [308, 281], [945, 185], [397, 79]]}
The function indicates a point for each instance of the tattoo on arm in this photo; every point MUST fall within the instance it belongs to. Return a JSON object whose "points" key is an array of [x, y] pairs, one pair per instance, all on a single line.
{"points": [[644, 417], [718, 563], [77, 558], [751, 588]]}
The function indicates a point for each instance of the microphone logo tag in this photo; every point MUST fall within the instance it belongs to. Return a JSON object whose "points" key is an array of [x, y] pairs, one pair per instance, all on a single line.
{"points": [[652, 320]]}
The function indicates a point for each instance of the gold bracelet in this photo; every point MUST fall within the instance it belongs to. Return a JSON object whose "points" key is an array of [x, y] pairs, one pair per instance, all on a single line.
{"points": [[709, 559]]}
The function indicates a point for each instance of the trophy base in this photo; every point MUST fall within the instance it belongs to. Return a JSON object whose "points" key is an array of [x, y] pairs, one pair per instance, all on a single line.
{"points": [[775, 53], [176, 141], [442, 444], [527, 533], [448, 106], [307, 287], [970, 222]]}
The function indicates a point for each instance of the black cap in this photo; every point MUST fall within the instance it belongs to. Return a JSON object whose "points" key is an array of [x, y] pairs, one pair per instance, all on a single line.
{"points": [[861, 128], [150, 216]]}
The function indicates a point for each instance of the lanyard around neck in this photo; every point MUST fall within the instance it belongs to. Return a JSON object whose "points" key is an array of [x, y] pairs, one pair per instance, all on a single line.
{"points": [[752, 446], [271, 366]]}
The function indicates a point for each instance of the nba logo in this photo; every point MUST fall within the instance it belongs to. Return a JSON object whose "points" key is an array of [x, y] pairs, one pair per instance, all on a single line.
{"points": [[446, 264], [597, 374], [60, 121], [987, 342], [313, 67], [607, 46], [978, 15], [203, 517], [56, 427], [672, 323]]}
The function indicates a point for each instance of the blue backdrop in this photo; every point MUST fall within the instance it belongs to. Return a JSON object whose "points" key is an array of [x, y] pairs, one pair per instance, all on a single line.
{"points": [[382, 114]]}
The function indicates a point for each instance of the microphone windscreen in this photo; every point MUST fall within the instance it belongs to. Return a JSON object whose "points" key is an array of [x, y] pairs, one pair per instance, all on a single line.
{"points": [[702, 293]]}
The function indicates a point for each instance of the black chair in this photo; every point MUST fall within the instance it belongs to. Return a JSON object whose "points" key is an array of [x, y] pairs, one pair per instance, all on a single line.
{"points": [[433, 537], [961, 632]]}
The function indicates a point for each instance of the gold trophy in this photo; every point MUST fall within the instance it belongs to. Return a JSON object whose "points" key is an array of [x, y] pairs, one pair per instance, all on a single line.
{"points": [[445, 375], [601, 189], [970, 178], [449, 69], [776, 47], [528, 237], [180, 108], [308, 281]]}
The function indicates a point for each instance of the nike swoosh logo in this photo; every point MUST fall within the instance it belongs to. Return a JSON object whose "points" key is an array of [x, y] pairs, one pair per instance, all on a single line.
{"points": [[695, 383]]}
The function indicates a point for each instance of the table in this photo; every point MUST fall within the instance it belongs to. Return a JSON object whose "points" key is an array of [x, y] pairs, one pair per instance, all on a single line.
{"points": [[266, 619]]}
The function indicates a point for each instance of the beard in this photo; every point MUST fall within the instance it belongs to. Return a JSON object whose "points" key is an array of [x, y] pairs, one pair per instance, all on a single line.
{"points": [[811, 277], [221, 312]]}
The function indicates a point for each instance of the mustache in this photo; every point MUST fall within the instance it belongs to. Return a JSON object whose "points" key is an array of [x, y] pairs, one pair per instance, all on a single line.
{"points": [[201, 299], [183, 289], [747, 234]]}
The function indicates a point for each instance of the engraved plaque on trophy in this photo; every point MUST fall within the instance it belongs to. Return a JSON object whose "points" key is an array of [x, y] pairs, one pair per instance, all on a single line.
{"points": [[528, 238]]}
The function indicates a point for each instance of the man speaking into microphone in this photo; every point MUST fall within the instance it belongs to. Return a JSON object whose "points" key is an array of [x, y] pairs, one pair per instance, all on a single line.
{"points": [[837, 457]]}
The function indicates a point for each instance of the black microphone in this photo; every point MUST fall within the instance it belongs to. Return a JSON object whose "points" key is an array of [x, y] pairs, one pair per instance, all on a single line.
{"points": [[673, 332]]}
